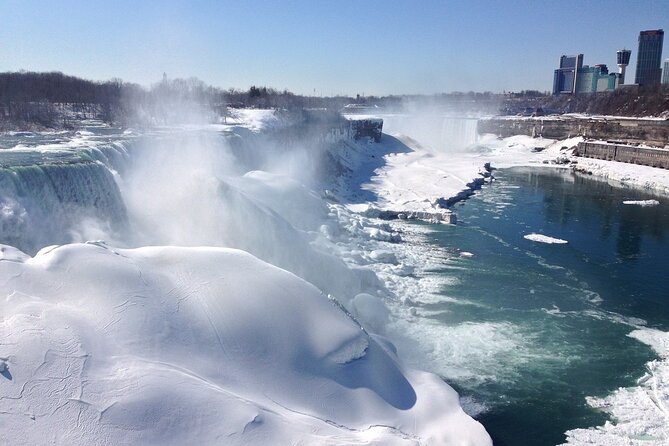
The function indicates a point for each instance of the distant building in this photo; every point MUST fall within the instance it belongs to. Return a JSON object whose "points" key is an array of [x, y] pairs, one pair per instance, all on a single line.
{"points": [[564, 78], [649, 57], [595, 79], [575, 78], [623, 59], [665, 72]]}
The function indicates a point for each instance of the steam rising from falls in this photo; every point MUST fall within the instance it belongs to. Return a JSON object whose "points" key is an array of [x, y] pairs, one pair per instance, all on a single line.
{"points": [[184, 188]]}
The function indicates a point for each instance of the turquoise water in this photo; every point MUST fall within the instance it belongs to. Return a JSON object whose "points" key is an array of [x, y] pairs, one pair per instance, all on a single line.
{"points": [[569, 306]]}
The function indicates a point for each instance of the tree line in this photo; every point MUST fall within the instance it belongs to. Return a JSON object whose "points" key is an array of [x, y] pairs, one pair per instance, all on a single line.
{"points": [[55, 100]]}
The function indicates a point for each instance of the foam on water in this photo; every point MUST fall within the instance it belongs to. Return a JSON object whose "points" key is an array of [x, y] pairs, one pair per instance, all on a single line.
{"points": [[470, 353]]}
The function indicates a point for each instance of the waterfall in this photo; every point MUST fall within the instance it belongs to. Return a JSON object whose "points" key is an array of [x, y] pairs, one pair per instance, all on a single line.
{"points": [[458, 133], [434, 131], [114, 155], [55, 203]]}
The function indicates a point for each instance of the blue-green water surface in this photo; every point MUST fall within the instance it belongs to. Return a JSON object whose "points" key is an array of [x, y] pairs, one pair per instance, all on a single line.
{"points": [[572, 305]]}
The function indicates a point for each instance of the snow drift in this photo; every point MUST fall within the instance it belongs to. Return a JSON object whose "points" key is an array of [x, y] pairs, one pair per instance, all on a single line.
{"points": [[167, 345]]}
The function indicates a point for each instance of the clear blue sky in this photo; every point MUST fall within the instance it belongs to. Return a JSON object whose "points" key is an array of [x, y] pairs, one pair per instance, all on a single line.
{"points": [[330, 46]]}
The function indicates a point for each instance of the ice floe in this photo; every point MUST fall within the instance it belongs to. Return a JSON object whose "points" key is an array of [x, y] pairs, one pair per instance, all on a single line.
{"points": [[540, 238], [643, 203]]}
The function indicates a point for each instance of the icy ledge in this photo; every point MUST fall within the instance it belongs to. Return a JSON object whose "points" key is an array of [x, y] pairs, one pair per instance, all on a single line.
{"points": [[167, 345]]}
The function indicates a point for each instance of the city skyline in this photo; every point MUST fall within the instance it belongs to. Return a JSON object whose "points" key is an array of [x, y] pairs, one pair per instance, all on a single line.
{"points": [[372, 48]]}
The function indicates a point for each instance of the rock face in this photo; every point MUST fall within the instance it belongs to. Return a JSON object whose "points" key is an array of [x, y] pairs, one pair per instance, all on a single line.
{"points": [[367, 127], [628, 130]]}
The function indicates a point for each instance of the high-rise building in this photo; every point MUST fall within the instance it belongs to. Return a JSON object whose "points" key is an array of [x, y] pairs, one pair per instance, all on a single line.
{"points": [[595, 79], [649, 57], [665, 72], [564, 78], [623, 58]]}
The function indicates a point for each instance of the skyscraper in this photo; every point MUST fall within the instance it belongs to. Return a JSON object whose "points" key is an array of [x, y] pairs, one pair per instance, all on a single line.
{"points": [[564, 78], [649, 57], [665, 72]]}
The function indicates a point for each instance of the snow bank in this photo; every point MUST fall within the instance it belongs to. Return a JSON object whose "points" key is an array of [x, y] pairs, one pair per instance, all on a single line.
{"points": [[167, 345], [400, 176], [634, 175], [540, 238], [430, 165]]}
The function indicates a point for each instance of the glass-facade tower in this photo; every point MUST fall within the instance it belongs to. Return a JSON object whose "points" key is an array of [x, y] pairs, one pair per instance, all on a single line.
{"points": [[649, 57], [564, 78]]}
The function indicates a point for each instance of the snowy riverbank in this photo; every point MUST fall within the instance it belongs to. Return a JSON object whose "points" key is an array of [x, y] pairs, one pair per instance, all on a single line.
{"points": [[421, 178]]}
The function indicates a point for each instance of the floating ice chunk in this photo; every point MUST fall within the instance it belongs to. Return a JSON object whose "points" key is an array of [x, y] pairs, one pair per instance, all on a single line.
{"points": [[644, 203], [466, 254], [540, 238]]}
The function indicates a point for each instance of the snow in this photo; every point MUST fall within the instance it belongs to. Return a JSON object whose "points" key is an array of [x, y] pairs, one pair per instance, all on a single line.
{"points": [[168, 345], [402, 175], [644, 177], [540, 238]]}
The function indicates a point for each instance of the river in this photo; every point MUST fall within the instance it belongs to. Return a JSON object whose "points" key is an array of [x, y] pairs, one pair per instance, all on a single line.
{"points": [[526, 330]]}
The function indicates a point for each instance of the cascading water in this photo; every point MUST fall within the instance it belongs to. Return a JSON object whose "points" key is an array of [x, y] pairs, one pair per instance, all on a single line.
{"points": [[55, 190], [458, 133], [48, 204], [436, 132]]}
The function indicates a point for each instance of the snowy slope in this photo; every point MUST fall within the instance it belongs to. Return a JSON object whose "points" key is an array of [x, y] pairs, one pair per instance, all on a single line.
{"points": [[167, 345]]}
